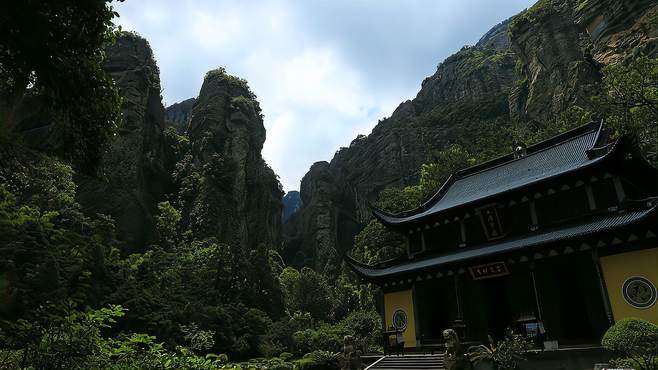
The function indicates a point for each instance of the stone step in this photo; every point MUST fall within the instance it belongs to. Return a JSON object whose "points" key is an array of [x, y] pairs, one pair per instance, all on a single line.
{"points": [[410, 362], [408, 366], [414, 358]]}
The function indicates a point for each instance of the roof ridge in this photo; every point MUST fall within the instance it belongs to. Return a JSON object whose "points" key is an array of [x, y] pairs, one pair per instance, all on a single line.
{"points": [[539, 147]]}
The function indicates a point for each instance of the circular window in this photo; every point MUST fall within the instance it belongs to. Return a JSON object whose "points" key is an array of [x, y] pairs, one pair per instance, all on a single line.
{"points": [[400, 320], [639, 292]]}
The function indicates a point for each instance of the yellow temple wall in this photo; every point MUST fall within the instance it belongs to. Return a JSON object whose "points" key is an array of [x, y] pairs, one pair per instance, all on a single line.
{"points": [[401, 300], [620, 267]]}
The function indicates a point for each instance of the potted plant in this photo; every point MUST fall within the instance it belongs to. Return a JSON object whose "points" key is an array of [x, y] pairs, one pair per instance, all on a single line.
{"points": [[504, 355]]}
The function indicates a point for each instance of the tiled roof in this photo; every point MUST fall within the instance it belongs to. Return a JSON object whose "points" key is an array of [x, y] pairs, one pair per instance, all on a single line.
{"points": [[595, 225], [570, 152]]}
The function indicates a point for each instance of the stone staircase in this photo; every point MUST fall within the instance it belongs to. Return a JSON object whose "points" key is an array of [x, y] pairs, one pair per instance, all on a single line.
{"points": [[409, 362]]}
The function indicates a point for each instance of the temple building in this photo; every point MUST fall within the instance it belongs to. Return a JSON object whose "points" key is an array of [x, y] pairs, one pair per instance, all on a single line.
{"points": [[556, 241]]}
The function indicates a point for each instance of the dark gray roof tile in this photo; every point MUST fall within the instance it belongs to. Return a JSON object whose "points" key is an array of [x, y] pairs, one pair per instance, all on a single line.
{"points": [[565, 156]]}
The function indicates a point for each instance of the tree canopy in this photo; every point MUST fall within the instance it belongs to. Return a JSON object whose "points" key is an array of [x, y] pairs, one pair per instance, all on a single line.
{"points": [[54, 50]]}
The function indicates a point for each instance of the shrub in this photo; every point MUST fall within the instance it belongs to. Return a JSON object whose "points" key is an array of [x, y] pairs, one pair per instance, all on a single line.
{"points": [[506, 354], [366, 327], [306, 291], [71, 339], [322, 360], [285, 356], [636, 340], [279, 338], [325, 337]]}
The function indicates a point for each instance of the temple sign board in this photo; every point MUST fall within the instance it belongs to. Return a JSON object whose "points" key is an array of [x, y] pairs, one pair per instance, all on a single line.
{"points": [[490, 222], [489, 270]]}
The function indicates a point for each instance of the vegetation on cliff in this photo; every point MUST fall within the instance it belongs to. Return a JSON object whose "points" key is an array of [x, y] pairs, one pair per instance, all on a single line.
{"points": [[165, 252]]}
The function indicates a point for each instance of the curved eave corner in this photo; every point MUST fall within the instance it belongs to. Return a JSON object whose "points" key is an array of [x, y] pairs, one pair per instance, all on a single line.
{"points": [[384, 217], [391, 219], [361, 269]]}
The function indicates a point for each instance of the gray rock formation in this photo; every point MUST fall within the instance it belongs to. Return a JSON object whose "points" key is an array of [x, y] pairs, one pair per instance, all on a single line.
{"points": [[178, 114], [218, 177], [561, 46], [227, 189], [134, 173], [292, 202]]}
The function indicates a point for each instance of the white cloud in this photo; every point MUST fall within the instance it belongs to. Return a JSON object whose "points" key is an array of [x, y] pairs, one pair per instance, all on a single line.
{"points": [[323, 71], [316, 102]]}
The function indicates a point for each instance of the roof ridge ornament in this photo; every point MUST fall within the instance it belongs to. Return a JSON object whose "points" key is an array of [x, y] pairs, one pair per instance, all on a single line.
{"points": [[600, 144], [520, 150]]}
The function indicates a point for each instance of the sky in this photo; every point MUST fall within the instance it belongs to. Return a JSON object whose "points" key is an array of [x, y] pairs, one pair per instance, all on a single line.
{"points": [[324, 71]]}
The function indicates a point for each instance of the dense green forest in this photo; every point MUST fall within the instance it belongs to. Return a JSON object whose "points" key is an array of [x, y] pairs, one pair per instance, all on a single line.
{"points": [[75, 294]]}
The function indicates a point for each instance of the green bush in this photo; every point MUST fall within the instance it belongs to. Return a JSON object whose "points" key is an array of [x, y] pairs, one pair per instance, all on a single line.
{"points": [[325, 337], [300, 334], [279, 338], [365, 327], [533, 15], [636, 340], [279, 364], [285, 356], [504, 355], [322, 360], [71, 339]]}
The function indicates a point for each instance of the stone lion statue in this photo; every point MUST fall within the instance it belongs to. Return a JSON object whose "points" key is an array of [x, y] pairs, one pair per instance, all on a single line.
{"points": [[351, 357], [454, 356]]}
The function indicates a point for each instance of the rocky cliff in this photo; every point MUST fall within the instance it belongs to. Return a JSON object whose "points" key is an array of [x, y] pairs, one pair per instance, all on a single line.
{"points": [[135, 174], [528, 69], [178, 114], [227, 189], [562, 45], [292, 202], [210, 167]]}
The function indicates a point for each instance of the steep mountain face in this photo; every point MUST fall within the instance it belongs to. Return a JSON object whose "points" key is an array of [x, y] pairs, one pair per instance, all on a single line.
{"points": [[292, 202], [135, 173], [530, 68], [213, 172], [227, 189], [178, 114], [562, 45]]}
